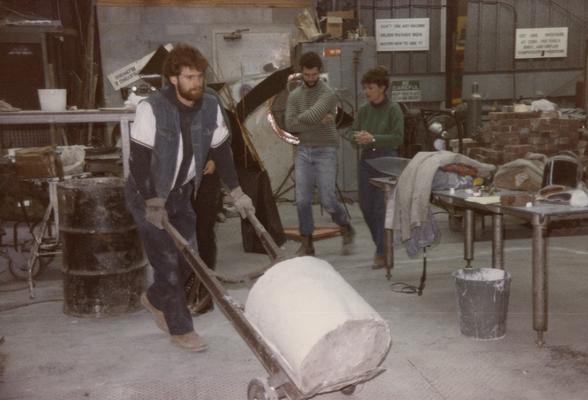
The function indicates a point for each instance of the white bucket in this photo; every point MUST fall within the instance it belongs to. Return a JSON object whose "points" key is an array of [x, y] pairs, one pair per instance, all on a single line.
{"points": [[52, 99]]}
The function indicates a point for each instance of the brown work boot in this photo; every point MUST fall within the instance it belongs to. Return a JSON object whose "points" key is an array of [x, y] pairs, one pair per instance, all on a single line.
{"points": [[348, 234], [159, 317], [379, 262], [190, 341], [306, 247]]}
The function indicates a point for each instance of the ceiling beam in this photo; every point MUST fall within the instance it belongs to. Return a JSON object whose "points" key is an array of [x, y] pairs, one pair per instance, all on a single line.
{"points": [[209, 3]]}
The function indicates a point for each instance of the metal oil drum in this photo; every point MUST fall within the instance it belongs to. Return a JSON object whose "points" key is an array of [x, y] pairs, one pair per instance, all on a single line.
{"points": [[104, 265]]}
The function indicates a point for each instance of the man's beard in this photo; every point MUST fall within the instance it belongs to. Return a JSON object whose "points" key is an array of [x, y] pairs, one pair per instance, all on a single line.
{"points": [[311, 85], [190, 95]]}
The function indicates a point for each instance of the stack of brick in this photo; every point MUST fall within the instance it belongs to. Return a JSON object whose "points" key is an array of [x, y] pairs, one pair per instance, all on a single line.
{"points": [[509, 135]]}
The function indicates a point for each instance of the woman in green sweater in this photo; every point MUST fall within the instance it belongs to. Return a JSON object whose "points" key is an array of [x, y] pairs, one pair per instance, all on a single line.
{"points": [[378, 130]]}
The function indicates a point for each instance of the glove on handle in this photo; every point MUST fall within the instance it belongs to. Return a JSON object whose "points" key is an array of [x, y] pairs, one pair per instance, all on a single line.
{"points": [[242, 202], [155, 212]]}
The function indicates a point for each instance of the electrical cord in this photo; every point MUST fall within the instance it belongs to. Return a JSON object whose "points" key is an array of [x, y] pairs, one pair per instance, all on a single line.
{"points": [[403, 287], [342, 103], [406, 288]]}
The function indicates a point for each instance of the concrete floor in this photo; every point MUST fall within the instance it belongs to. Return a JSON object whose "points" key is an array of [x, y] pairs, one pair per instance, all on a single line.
{"points": [[49, 355]]}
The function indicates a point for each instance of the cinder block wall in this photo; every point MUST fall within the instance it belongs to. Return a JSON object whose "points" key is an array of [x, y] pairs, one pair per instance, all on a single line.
{"points": [[129, 33], [508, 136]]}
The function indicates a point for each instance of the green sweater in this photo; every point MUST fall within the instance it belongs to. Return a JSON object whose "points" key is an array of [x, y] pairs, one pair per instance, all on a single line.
{"points": [[384, 121], [305, 109]]}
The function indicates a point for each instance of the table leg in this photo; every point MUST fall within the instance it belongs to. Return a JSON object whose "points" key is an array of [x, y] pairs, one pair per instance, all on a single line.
{"points": [[388, 238], [539, 277], [54, 205], [497, 241], [468, 237], [389, 251]]}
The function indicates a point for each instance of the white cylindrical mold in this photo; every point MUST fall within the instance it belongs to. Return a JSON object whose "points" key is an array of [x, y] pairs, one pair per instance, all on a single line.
{"points": [[321, 327]]}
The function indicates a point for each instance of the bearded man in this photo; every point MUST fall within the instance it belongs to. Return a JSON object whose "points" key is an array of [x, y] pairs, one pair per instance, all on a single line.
{"points": [[175, 131]]}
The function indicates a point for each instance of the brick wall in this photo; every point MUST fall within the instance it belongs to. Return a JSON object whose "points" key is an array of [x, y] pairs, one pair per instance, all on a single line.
{"points": [[508, 136]]}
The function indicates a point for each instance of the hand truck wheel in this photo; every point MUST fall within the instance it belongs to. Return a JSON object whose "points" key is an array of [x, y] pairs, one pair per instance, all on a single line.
{"points": [[18, 264], [260, 390], [20, 254]]}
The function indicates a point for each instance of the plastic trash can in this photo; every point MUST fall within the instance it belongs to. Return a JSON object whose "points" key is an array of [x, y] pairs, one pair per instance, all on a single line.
{"points": [[482, 299]]}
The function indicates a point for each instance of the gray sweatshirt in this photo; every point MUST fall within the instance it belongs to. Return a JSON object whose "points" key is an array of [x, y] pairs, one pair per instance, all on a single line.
{"points": [[306, 108]]}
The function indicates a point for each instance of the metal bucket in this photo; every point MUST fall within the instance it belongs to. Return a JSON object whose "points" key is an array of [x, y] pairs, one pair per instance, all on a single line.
{"points": [[103, 259], [482, 298]]}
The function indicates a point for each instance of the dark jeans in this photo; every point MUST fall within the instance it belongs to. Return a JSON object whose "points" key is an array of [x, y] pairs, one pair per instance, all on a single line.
{"points": [[317, 166], [169, 266], [371, 198], [207, 205]]}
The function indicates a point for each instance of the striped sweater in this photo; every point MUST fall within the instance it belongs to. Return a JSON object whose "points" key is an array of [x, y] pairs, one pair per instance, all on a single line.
{"points": [[306, 108]]}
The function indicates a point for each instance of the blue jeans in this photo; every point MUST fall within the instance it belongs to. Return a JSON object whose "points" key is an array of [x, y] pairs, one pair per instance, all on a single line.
{"points": [[317, 166], [170, 269], [371, 198]]}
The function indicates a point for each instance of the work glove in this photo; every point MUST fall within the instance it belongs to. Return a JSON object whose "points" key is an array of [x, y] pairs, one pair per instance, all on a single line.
{"points": [[155, 212], [242, 202]]}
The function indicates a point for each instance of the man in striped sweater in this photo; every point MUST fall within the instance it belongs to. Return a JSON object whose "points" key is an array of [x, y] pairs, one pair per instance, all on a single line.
{"points": [[310, 113]]}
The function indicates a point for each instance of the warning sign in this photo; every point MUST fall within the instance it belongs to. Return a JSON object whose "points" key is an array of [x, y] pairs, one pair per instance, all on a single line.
{"points": [[402, 34], [405, 91], [541, 43], [130, 73]]}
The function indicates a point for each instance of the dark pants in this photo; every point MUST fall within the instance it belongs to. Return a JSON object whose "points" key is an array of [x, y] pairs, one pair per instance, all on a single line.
{"points": [[371, 198], [207, 205], [169, 266]]}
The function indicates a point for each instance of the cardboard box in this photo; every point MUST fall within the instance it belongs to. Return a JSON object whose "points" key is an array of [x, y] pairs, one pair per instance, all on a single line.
{"points": [[38, 162], [340, 22], [348, 14], [335, 27]]}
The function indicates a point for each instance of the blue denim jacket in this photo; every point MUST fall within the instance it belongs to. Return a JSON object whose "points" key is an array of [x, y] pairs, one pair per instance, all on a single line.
{"points": [[167, 139]]}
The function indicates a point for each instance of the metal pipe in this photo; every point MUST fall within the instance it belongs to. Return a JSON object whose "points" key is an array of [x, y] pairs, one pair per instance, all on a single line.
{"points": [[451, 21], [498, 241], [443, 36], [469, 225], [355, 62], [125, 134], [539, 277], [389, 251], [53, 199], [586, 76]]}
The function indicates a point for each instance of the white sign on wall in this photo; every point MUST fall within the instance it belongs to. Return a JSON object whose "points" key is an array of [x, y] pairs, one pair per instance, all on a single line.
{"points": [[130, 73], [405, 91], [402, 34], [541, 42]]}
